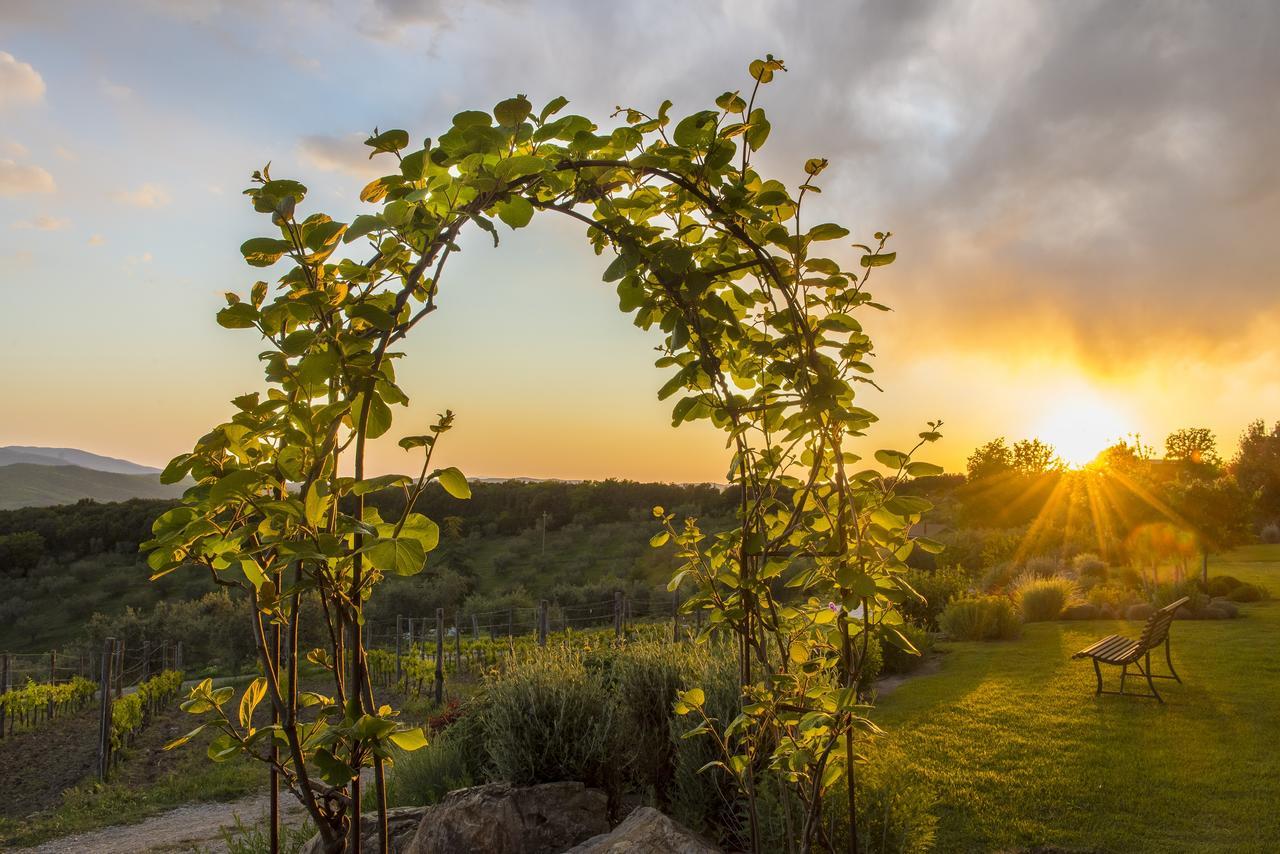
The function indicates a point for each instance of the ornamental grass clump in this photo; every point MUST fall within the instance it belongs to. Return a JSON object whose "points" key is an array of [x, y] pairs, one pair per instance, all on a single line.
{"points": [[1042, 599], [981, 618]]}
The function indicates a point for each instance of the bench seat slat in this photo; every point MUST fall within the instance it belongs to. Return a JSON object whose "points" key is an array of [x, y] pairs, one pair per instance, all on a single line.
{"points": [[1113, 648]]}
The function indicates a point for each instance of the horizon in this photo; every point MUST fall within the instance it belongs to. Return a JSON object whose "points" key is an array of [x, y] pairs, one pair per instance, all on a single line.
{"points": [[1052, 216]]}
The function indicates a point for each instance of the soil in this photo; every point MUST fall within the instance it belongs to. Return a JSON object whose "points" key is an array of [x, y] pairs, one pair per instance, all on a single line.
{"points": [[40, 763]]}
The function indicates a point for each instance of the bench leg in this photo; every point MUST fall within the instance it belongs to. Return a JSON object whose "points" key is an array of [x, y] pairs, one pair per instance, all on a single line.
{"points": [[1150, 684], [1124, 672], [1097, 671], [1169, 660]]}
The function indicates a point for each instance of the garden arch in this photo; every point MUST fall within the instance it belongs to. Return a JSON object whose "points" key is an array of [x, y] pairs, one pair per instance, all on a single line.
{"points": [[761, 339]]}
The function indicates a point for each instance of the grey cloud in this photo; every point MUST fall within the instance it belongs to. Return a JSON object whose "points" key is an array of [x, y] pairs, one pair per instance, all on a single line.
{"points": [[1110, 165]]}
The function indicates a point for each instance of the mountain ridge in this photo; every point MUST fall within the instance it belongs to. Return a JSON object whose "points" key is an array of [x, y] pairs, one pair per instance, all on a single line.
{"points": [[44, 485], [45, 456]]}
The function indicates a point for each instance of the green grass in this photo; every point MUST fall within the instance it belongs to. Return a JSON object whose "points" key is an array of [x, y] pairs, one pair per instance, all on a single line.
{"points": [[1021, 752]]}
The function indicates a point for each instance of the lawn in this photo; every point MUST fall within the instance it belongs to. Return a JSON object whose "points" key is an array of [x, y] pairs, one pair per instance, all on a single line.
{"points": [[1021, 753]]}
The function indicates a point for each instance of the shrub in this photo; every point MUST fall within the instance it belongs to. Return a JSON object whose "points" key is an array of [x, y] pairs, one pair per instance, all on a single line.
{"points": [[998, 576], [1248, 593], [938, 587], [706, 798], [1271, 534], [551, 719], [1131, 578], [1226, 606], [981, 618], [1140, 612], [1042, 599], [1081, 611], [1042, 567], [895, 809], [427, 775], [1167, 594], [645, 677], [1221, 585], [1112, 597], [1090, 569]]}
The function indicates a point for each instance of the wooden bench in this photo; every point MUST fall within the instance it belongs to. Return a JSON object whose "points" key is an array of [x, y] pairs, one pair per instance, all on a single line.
{"points": [[1123, 653]]}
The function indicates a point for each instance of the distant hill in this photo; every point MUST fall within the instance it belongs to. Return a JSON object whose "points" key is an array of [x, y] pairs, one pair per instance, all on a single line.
{"points": [[24, 484], [11, 454]]}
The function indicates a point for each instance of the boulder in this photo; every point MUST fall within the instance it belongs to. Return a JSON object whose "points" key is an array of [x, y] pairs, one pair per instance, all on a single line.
{"points": [[1213, 612], [1081, 611], [402, 824], [499, 818], [1140, 612], [646, 831]]}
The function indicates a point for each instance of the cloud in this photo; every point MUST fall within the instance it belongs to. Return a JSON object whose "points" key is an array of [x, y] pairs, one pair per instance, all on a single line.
{"points": [[19, 82], [43, 223], [146, 196], [116, 91], [97, 240], [14, 149], [17, 179], [341, 154]]}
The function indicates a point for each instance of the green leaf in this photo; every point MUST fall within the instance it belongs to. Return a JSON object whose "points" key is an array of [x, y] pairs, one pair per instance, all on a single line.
{"points": [[878, 260], [516, 212], [374, 316], [181, 740], [379, 421], [252, 697], [422, 529], [391, 140], [891, 459], [223, 748], [409, 739], [263, 251], [454, 482], [253, 572], [398, 555], [472, 118], [512, 111], [922, 469], [554, 106], [828, 231], [758, 130]]}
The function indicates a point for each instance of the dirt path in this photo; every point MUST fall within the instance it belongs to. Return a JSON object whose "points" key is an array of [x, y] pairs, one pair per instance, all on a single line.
{"points": [[191, 828]]}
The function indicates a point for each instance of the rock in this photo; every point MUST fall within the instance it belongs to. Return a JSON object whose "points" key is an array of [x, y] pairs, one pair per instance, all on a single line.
{"points": [[1213, 612], [1082, 611], [1226, 605], [402, 824], [646, 831], [499, 818], [1140, 612]]}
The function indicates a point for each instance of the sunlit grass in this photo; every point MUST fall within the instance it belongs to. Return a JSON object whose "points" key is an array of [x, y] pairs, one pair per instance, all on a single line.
{"points": [[1022, 753]]}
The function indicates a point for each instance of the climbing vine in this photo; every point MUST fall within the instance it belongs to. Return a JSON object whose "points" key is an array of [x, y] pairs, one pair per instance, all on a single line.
{"points": [[760, 338]]}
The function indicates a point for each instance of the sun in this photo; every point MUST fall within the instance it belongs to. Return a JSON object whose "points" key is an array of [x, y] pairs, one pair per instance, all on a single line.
{"points": [[1081, 424]]}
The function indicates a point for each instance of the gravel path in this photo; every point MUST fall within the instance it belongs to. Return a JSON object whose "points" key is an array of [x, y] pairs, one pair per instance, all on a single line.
{"points": [[191, 828]]}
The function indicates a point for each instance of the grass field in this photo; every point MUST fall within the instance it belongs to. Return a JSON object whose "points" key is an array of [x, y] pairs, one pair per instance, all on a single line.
{"points": [[1021, 753]]}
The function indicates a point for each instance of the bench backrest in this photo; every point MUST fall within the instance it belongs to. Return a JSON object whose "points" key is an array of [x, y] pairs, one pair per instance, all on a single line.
{"points": [[1157, 628]]}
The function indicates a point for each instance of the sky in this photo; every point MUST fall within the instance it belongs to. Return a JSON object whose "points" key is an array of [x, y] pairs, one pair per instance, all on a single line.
{"points": [[1084, 199]]}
